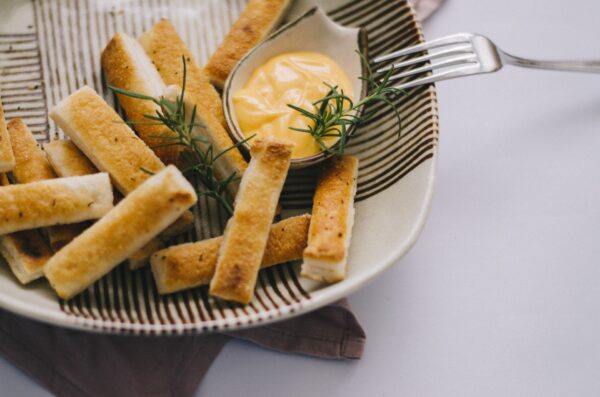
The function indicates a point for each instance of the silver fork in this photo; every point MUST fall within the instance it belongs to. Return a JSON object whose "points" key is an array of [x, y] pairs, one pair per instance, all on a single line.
{"points": [[458, 55]]}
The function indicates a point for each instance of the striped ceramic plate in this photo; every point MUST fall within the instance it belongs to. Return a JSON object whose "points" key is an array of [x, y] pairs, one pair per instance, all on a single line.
{"points": [[49, 48]]}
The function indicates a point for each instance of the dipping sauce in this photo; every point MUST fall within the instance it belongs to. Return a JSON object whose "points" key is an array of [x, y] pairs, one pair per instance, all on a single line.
{"points": [[296, 78]]}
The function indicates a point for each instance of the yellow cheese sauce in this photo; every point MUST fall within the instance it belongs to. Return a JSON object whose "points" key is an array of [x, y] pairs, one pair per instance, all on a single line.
{"points": [[297, 78]]}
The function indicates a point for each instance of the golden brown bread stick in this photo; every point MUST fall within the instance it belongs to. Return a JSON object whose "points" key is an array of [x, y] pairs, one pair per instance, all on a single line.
{"points": [[98, 131], [61, 235], [136, 220], [230, 162], [105, 139], [247, 231], [127, 67], [332, 219], [65, 200], [26, 252], [165, 48], [7, 160], [190, 265], [67, 160], [30, 162], [255, 23], [31, 165]]}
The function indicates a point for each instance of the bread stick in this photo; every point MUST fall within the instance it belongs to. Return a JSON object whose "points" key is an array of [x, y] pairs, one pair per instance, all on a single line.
{"points": [[7, 160], [25, 252], [258, 19], [31, 165], [231, 162], [193, 264], [54, 201], [247, 231], [332, 219], [141, 257], [67, 160], [165, 48], [182, 225], [138, 218], [105, 139], [127, 67]]}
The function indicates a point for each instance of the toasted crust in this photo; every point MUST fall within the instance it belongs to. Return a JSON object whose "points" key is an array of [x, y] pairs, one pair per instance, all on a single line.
{"points": [[247, 231], [105, 139], [7, 160], [257, 20], [142, 256], [332, 217], [30, 163], [193, 264], [61, 235], [67, 160], [127, 66], [53, 202], [165, 48], [137, 219], [26, 252], [227, 164]]}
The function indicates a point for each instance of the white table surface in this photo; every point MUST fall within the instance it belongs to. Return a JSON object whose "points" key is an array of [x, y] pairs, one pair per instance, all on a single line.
{"points": [[500, 295]]}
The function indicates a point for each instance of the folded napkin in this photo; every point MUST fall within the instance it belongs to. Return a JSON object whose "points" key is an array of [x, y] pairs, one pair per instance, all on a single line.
{"points": [[75, 363]]}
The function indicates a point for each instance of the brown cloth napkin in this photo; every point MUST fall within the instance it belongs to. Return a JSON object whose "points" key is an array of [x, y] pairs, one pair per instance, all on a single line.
{"points": [[75, 363]]}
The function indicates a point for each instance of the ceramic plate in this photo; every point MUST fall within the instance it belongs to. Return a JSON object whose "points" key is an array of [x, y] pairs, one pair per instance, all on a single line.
{"points": [[49, 48]]}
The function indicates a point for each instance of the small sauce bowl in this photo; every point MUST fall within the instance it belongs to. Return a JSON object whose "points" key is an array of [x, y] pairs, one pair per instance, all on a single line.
{"points": [[312, 32]]}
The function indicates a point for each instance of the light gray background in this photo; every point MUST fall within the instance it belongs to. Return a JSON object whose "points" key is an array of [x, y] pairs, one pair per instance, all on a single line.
{"points": [[501, 294]]}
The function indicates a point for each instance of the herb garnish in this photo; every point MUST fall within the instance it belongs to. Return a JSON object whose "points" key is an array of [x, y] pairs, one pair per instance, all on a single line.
{"points": [[198, 151], [336, 113]]}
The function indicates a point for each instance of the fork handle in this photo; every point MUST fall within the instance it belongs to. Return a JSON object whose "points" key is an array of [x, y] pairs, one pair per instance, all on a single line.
{"points": [[570, 66]]}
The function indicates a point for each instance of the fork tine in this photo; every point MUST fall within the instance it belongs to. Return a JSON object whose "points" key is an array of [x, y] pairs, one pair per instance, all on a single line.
{"points": [[458, 60], [459, 49], [440, 76], [452, 39]]}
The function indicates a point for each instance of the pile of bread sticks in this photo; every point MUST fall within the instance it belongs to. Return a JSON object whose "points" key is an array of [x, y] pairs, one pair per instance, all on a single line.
{"points": [[61, 219]]}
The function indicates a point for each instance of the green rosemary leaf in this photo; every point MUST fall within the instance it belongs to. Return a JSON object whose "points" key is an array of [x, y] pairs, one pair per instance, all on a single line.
{"points": [[335, 114], [131, 93], [147, 171], [199, 154]]}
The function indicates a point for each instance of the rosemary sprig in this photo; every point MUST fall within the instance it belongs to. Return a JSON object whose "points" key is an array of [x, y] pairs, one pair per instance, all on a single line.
{"points": [[198, 153], [335, 114]]}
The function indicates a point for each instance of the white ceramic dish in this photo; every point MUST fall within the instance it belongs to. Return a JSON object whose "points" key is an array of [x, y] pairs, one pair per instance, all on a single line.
{"points": [[49, 48]]}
